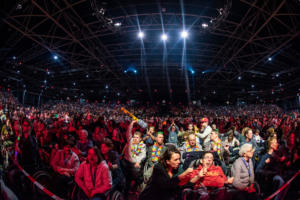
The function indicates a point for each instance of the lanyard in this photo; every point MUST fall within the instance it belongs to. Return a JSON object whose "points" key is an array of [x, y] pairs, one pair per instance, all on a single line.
{"points": [[247, 166], [93, 177]]}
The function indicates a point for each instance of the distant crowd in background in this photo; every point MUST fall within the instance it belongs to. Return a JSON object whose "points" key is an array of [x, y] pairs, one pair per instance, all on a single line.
{"points": [[188, 152]]}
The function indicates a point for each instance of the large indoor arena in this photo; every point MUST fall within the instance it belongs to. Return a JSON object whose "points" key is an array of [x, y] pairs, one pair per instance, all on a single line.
{"points": [[150, 99]]}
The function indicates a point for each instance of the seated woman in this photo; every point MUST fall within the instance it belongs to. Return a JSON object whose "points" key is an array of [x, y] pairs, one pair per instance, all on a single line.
{"points": [[93, 176], [113, 160], [243, 173], [271, 166], [164, 184]]}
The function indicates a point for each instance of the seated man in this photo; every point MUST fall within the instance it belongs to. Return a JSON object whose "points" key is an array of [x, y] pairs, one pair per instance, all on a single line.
{"points": [[216, 143], [208, 175], [65, 163], [191, 144]]}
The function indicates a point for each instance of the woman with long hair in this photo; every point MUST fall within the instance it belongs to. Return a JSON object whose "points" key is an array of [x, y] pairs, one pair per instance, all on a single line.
{"points": [[164, 182], [93, 175]]}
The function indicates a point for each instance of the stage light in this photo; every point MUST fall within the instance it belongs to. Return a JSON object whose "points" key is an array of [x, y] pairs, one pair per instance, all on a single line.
{"points": [[141, 35], [184, 34], [45, 81], [192, 72], [48, 73], [118, 24], [74, 83], [252, 86], [55, 57], [106, 87], [277, 75], [135, 71], [14, 57], [118, 93], [204, 25], [87, 76], [164, 37], [18, 71], [270, 59], [239, 78]]}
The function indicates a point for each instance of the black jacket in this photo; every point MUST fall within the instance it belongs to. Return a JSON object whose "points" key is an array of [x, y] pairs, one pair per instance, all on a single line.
{"points": [[161, 186]]}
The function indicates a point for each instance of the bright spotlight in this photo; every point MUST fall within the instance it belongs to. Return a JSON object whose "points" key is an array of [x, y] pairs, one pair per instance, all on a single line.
{"points": [[135, 71], [118, 24], [204, 25], [184, 34], [55, 57], [164, 37], [239, 78], [141, 34], [270, 59]]}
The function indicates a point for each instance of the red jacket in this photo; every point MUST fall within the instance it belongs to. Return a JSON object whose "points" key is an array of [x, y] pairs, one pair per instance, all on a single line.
{"points": [[214, 177]]}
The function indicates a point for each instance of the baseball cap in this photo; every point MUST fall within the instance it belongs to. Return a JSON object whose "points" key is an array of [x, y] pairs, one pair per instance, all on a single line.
{"points": [[204, 119]]}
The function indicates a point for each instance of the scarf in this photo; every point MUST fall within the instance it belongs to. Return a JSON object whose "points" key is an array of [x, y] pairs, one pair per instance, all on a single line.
{"points": [[216, 146], [136, 149], [156, 150], [191, 149]]}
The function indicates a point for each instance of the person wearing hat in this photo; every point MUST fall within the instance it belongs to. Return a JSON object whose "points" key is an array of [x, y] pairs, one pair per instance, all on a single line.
{"points": [[205, 131]]}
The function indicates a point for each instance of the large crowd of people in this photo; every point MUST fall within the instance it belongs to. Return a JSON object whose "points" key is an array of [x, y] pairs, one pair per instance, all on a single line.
{"points": [[186, 152]]}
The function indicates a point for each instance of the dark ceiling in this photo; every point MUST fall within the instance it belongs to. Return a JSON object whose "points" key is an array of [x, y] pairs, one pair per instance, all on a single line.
{"points": [[249, 50]]}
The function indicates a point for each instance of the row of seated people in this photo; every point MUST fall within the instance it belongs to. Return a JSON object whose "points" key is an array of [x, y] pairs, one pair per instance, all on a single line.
{"points": [[135, 156]]}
